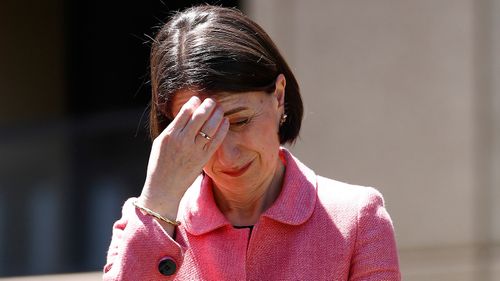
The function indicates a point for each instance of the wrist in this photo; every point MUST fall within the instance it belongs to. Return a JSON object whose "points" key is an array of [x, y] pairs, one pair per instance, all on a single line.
{"points": [[152, 213], [163, 205]]}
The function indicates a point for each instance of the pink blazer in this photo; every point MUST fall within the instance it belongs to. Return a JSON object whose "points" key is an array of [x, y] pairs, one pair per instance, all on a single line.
{"points": [[317, 229]]}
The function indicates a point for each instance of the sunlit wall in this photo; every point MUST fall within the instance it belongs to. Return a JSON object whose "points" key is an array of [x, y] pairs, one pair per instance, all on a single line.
{"points": [[405, 96]]}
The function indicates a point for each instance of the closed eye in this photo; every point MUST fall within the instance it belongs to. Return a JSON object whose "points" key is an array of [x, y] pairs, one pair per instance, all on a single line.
{"points": [[241, 122]]}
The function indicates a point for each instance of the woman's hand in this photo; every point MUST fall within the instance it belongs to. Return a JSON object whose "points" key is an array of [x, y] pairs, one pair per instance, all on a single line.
{"points": [[179, 153]]}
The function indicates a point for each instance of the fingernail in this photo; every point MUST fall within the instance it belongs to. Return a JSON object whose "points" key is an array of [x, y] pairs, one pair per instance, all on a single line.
{"points": [[210, 101]]}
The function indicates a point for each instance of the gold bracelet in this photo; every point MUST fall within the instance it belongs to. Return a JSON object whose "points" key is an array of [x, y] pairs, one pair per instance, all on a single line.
{"points": [[155, 214]]}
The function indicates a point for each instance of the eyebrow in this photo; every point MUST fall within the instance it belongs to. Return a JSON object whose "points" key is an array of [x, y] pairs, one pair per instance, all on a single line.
{"points": [[235, 110]]}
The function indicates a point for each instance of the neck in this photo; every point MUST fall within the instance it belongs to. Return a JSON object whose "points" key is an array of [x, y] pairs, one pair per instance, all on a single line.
{"points": [[243, 205]]}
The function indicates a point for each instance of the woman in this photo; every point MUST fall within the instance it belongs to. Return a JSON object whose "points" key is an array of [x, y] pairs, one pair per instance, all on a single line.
{"points": [[222, 199]]}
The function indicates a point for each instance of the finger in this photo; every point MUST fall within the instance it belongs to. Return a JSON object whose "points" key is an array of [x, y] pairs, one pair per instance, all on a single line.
{"points": [[212, 124], [202, 140], [218, 137], [185, 113], [199, 117]]}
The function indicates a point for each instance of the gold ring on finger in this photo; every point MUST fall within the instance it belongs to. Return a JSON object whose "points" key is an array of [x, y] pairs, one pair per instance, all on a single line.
{"points": [[203, 134]]}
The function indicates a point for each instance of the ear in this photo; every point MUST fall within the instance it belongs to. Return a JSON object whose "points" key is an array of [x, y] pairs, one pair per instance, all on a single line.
{"points": [[279, 91]]}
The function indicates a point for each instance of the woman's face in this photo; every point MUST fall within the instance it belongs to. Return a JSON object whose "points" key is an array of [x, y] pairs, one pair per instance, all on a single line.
{"points": [[249, 154]]}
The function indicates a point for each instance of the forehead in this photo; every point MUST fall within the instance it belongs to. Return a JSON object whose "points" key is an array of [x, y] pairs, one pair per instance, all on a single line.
{"points": [[224, 99]]}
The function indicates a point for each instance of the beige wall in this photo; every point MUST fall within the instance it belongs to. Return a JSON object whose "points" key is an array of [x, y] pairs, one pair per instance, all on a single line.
{"points": [[495, 123], [400, 95]]}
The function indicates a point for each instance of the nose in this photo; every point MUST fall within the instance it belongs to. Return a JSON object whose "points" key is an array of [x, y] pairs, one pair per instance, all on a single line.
{"points": [[229, 151]]}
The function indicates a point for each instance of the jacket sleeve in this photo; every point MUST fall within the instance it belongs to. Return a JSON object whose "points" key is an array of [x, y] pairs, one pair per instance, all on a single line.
{"points": [[138, 245], [375, 255]]}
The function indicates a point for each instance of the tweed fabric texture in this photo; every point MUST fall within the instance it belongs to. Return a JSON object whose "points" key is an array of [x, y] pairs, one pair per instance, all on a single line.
{"points": [[317, 229]]}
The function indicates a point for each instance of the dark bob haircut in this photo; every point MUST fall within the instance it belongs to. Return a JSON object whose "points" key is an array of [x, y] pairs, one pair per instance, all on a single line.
{"points": [[214, 49]]}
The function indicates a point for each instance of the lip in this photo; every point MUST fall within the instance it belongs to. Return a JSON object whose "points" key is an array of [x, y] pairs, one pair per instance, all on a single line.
{"points": [[238, 172]]}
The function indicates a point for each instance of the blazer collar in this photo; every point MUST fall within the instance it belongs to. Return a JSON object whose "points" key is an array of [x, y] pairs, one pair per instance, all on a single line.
{"points": [[294, 205]]}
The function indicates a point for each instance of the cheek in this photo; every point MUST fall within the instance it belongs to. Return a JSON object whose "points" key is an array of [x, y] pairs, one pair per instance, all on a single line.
{"points": [[264, 138]]}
